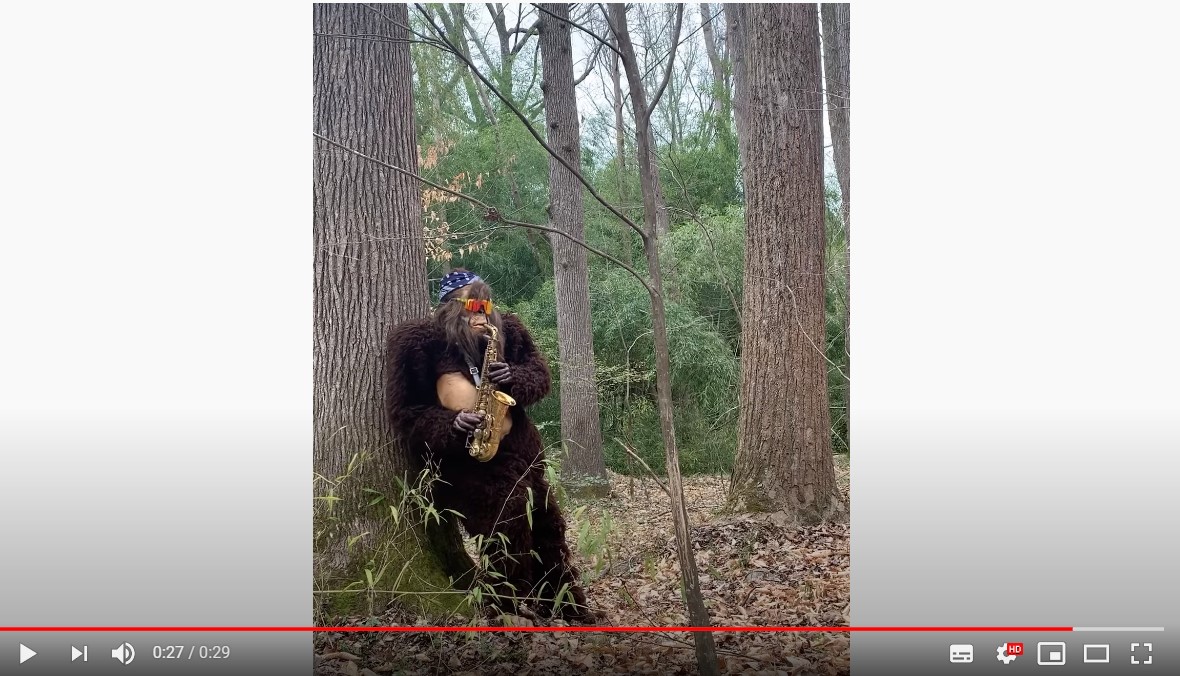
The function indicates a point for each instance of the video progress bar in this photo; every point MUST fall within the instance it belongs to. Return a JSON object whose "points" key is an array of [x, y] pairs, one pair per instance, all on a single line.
{"points": [[1136, 629], [591, 628]]}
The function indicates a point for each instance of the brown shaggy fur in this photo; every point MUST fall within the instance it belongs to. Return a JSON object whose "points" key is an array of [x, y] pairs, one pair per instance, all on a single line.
{"points": [[492, 496]]}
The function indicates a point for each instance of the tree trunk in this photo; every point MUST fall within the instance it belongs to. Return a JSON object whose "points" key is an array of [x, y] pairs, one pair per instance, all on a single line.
{"points": [[648, 166], [492, 115], [720, 86], [625, 242], [454, 25], [784, 458], [507, 56], [836, 39], [581, 434], [370, 274], [698, 615], [835, 21]]}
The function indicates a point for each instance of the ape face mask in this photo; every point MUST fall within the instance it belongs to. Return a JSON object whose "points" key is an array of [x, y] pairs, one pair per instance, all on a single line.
{"points": [[463, 313]]}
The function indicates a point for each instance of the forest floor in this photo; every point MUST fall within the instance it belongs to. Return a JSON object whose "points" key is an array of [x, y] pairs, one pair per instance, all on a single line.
{"points": [[755, 571]]}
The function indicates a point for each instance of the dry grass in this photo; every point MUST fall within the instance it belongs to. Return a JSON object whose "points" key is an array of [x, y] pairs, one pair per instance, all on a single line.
{"points": [[755, 571]]}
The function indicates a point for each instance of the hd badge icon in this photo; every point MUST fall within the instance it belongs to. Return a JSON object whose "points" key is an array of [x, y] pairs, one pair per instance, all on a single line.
{"points": [[1008, 652]]}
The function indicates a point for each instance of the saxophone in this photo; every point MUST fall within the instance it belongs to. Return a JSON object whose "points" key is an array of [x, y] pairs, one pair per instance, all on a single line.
{"points": [[493, 403]]}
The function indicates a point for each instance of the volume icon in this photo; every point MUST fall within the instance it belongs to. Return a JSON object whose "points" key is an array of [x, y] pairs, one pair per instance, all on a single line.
{"points": [[125, 653]]}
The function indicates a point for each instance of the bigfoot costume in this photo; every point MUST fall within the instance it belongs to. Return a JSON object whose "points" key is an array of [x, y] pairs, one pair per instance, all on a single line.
{"points": [[492, 496]]}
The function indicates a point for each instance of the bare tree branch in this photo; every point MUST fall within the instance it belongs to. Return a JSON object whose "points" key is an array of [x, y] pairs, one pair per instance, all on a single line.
{"points": [[589, 65], [532, 131], [654, 476], [374, 38], [671, 61], [491, 213], [582, 28], [686, 38], [530, 32]]}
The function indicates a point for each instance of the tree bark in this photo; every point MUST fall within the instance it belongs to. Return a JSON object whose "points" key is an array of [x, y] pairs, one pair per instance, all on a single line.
{"points": [[454, 25], [720, 86], [784, 457], [581, 433], [645, 137], [706, 651], [625, 241], [835, 20], [369, 274]]}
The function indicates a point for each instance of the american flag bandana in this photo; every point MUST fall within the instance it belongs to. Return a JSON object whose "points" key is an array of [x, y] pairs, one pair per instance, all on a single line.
{"points": [[455, 280]]}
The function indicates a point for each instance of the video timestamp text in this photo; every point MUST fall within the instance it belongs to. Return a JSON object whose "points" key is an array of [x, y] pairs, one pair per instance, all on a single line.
{"points": [[190, 652]]}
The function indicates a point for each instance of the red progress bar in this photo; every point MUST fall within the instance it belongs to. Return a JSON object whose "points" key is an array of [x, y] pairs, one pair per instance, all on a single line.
{"points": [[533, 629]]}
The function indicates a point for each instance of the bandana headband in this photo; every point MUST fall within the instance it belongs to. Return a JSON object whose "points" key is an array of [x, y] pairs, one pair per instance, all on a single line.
{"points": [[454, 281]]}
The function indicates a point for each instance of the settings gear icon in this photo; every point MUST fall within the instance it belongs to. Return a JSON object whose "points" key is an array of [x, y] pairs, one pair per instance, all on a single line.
{"points": [[1003, 656]]}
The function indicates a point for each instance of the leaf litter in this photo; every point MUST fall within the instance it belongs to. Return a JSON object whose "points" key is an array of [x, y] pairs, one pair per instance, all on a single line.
{"points": [[755, 570]]}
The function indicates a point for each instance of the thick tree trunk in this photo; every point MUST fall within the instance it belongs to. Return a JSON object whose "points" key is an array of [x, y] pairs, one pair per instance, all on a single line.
{"points": [[784, 458], [370, 274], [581, 434], [698, 615]]}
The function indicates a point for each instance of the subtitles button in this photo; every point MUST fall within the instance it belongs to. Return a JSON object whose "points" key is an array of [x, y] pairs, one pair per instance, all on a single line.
{"points": [[1051, 653], [962, 653]]}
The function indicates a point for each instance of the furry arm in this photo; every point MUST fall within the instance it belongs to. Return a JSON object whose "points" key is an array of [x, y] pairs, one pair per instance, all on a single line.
{"points": [[530, 373], [411, 403]]}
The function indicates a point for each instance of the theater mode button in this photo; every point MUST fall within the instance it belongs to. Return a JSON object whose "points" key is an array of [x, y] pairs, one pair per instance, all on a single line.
{"points": [[26, 653]]}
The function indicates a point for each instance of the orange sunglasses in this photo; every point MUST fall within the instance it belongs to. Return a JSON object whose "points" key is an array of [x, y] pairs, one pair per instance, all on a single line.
{"points": [[476, 305]]}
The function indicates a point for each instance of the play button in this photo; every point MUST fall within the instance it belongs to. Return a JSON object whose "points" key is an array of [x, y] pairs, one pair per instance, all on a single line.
{"points": [[26, 653]]}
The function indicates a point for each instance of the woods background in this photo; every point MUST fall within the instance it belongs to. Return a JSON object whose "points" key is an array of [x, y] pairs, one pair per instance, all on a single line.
{"points": [[471, 141]]}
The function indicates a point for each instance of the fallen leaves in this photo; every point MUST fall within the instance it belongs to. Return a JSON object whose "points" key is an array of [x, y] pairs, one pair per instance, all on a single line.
{"points": [[754, 571]]}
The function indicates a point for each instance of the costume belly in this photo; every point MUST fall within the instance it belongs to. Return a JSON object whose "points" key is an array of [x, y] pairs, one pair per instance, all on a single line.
{"points": [[457, 393]]}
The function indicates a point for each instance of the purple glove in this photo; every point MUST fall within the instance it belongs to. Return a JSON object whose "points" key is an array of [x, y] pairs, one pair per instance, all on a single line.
{"points": [[467, 421], [499, 373]]}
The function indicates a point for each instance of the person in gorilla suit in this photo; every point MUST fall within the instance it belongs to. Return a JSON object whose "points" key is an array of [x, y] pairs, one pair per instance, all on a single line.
{"points": [[432, 374]]}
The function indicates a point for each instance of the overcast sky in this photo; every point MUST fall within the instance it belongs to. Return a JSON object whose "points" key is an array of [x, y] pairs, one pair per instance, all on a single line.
{"points": [[595, 93]]}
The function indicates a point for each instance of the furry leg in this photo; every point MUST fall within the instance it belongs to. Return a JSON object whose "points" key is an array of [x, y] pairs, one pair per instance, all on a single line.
{"points": [[555, 570]]}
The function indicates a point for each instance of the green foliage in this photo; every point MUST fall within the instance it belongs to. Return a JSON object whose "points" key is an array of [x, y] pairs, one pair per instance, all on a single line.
{"points": [[495, 159], [836, 303], [703, 173], [388, 562], [706, 255]]}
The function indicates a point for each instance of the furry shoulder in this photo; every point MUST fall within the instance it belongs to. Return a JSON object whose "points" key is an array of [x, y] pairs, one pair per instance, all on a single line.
{"points": [[416, 332], [512, 324]]}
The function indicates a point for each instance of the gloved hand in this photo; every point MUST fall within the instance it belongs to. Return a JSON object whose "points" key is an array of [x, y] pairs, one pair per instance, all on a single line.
{"points": [[499, 373], [467, 421]]}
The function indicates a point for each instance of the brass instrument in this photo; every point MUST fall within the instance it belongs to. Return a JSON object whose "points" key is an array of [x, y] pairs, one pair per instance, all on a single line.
{"points": [[493, 403]]}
